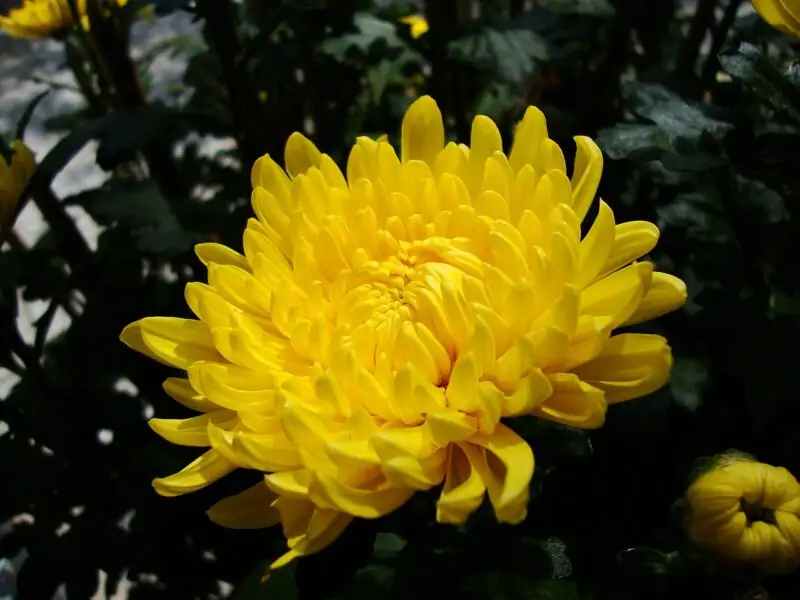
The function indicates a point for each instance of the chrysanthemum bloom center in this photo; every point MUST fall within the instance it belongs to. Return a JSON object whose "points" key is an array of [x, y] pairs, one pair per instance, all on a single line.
{"points": [[381, 324]]}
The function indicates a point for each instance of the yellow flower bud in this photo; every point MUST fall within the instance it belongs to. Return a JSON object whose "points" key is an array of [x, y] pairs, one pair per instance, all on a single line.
{"points": [[14, 177], [748, 512]]}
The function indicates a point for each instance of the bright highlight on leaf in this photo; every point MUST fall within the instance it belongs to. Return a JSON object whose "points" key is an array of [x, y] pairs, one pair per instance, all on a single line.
{"points": [[382, 323]]}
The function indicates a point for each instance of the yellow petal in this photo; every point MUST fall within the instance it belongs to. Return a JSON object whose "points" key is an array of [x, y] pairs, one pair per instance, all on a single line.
{"points": [[630, 365], [586, 177], [528, 138], [266, 451], [409, 458], [131, 336], [618, 295], [533, 389], [217, 253], [789, 526], [182, 392], [632, 240], [307, 529], [464, 488], [596, 247], [418, 24], [368, 503], [176, 342], [300, 154], [777, 14], [203, 471], [232, 387], [450, 426], [250, 509], [187, 432], [666, 293], [573, 402], [290, 484], [508, 473], [422, 132]]}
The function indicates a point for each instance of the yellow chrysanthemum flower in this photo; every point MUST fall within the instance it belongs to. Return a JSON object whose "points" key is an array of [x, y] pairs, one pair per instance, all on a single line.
{"points": [[42, 18], [380, 326], [784, 15], [418, 24], [748, 512], [14, 178]]}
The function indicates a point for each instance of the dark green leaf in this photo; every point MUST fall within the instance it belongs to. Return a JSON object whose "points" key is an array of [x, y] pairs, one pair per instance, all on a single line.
{"points": [[280, 585], [104, 129], [688, 381], [6, 152], [592, 8], [371, 32], [759, 203], [143, 209], [130, 135], [675, 116], [513, 55], [698, 215], [388, 546], [643, 560], [25, 119], [626, 140], [773, 84], [512, 586]]}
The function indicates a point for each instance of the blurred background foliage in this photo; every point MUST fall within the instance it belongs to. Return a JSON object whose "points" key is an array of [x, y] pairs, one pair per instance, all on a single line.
{"points": [[696, 106]]}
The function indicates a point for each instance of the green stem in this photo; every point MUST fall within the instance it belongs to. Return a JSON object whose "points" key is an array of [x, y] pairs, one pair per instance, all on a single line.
{"points": [[718, 39], [245, 107], [110, 42], [703, 20], [75, 248]]}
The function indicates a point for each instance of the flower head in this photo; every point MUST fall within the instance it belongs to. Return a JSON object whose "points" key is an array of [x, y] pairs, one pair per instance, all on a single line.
{"points": [[42, 18], [749, 512], [383, 323], [784, 15], [417, 23], [14, 178]]}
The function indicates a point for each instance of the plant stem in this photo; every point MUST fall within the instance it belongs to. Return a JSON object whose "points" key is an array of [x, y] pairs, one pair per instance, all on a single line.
{"points": [[110, 53], [703, 20], [74, 246], [245, 107], [718, 39]]}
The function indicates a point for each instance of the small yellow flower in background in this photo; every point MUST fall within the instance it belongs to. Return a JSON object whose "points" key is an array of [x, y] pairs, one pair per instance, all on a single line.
{"points": [[42, 18], [14, 178], [418, 23], [784, 15], [383, 323], [748, 512]]}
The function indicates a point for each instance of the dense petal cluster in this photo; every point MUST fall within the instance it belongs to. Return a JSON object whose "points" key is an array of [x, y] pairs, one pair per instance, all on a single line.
{"points": [[749, 512], [42, 18], [14, 178], [381, 325], [784, 15]]}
